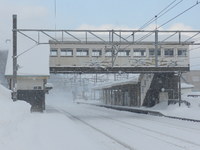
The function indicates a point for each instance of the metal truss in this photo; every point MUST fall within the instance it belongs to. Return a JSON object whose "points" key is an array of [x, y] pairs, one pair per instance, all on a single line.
{"points": [[124, 37]]}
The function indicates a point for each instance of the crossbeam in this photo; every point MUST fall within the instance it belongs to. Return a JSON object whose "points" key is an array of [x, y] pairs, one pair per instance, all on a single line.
{"points": [[138, 36], [107, 70]]}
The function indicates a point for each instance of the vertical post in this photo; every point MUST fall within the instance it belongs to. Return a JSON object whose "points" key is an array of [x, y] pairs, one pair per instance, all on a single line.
{"points": [[179, 37], [179, 88], [113, 48], [86, 37], [133, 36], [14, 86], [156, 48]]}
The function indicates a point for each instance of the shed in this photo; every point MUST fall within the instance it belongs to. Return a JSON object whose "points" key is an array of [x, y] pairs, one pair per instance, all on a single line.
{"points": [[32, 75]]}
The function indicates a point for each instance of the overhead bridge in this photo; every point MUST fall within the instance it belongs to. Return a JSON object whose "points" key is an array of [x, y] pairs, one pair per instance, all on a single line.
{"points": [[114, 51]]}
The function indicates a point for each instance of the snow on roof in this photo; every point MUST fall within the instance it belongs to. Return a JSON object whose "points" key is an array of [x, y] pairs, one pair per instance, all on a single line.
{"points": [[193, 93], [133, 80], [32, 63], [185, 85]]}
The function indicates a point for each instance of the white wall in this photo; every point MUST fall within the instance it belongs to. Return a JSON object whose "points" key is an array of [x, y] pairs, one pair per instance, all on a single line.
{"points": [[139, 61]]}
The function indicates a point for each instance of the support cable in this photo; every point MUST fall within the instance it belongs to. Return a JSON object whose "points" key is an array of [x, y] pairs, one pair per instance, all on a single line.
{"points": [[55, 16], [161, 13], [147, 35], [179, 14], [27, 50]]}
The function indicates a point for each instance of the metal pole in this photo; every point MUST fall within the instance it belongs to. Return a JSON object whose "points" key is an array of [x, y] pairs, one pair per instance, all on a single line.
{"points": [[179, 88], [156, 48], [14, 85], [112, 48]]}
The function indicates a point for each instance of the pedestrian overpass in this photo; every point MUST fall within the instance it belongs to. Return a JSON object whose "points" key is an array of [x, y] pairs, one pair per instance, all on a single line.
{"points": [[113, 51]]}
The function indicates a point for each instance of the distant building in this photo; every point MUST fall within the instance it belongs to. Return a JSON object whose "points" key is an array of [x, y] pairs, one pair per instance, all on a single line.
{"points": [[192, 77], [3, 60], [186, 88], [143, 90], [31, 80]]}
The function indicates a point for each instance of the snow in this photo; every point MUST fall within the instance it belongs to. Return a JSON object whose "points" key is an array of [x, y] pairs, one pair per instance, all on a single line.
{"points": [[54, 129], [132, 80], [22, 130], [185, 85]]}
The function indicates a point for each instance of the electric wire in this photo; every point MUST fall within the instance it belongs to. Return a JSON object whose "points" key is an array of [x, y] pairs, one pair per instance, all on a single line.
{"points": [[55, 17], [27, 50], [147, 35], [55, 13], [179, 14], [161, 13]]}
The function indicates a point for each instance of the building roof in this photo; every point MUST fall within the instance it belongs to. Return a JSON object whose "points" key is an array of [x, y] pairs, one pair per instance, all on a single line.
{"points": [[132, 80], [32, 63], [185, 85]]}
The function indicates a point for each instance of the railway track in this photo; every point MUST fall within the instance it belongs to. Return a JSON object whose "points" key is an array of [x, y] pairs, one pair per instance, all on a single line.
{"points": [[140, 111], [153, 131], [131, 128], [68, 114], [161, 122]]}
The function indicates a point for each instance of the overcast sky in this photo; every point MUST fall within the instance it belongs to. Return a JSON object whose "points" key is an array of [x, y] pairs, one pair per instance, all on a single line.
{"points": [[93, 14]]}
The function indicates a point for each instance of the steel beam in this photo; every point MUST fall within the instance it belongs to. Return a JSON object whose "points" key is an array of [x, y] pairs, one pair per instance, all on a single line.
{"points": [[135, 40], [104, 70]]}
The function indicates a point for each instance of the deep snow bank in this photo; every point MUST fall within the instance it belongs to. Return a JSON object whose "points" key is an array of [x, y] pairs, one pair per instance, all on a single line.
{"points": [[9, 110], [192, 112]]}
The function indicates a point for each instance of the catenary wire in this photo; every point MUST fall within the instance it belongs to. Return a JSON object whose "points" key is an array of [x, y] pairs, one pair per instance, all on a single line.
{"points": [[147, 35], [161, 13]]}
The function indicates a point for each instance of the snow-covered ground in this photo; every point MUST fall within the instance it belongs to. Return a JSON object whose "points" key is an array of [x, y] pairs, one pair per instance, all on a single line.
{"points": [[67, 125], [22, 130], [192, 112]]}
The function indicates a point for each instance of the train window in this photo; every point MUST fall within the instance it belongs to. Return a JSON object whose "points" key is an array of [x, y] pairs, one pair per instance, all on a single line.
{"points": [[82, 52], [139, 52], [123, 52], [152, 52], [182, 52], [66, 52], [37, 87], [108, 53], [169, 52], [96, 52], [53, 52]]}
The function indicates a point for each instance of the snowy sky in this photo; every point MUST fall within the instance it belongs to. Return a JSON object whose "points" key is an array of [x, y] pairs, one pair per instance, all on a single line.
{"points": [[94, 14]]}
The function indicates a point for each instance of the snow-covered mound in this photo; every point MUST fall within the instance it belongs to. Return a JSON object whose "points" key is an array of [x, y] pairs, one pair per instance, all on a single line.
{"points": [[4, 92], [9, 110], [193, 111]]}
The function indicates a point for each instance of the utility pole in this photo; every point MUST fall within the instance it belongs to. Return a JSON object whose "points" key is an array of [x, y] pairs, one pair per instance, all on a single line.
{"points": [[156, 48], [14, 84]]}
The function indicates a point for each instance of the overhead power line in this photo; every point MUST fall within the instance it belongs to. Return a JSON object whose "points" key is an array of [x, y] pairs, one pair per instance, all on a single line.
{"points": [[179, 14], [161, 13], [150, 33]]}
